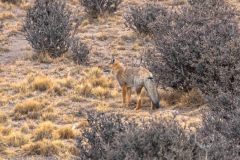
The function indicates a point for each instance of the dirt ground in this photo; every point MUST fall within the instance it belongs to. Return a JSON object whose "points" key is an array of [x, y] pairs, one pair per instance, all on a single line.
{"points": [[41, 102]]}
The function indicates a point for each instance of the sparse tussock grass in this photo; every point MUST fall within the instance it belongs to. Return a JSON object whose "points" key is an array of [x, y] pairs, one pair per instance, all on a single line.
{"points": [[101, 92], [66, 132], [44, 148], [3, 117], [45, 130], [180, 98], [5, 131], [20, 86], [49, 116], [42, 83], [25, 128], [67, 82], [6, 15], [17, 139], [30, 108], [96, 84]]}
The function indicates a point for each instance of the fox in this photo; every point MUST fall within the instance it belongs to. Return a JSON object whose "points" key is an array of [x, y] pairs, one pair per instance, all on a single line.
{"points": [[135, 78]]}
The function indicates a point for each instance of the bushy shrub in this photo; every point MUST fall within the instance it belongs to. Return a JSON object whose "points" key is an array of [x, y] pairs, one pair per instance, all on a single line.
{"points": [[101, 131], [139, 17], [80, 51], [197, 46], [109, 136], [47, 27], [96, 7], [220, 131]]}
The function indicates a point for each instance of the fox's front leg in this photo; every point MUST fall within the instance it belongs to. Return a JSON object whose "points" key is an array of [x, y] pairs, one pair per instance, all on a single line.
{"points": [[139, 100], [124, 92], [129, 93]]}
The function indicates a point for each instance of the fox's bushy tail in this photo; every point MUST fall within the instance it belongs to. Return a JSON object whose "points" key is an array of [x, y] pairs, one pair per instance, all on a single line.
{"points": [[151, 89]]}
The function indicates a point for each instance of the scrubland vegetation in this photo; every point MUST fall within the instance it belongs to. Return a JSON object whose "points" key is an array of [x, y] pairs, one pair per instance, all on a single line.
{"points": [[58, 99]]}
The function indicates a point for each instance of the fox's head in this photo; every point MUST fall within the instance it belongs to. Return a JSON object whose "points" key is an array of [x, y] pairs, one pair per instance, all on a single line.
{"points": [[115, 64]]}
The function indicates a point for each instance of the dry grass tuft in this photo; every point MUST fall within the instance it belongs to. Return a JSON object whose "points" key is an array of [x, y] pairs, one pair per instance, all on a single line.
{"points": [[103, 81], [96, 85], [5, 131], [44, 130], [102, 107], [192, 98], [101, 92], [17, 139], [6, 15], [42, 83], [68, 82], [30, 108], [84, 89], [94, 72], [3, 117], [50, 116], [179, 98], [21, 86], [25, 128], [44, 148], [42, 58], [66, 132], [172, 97]]}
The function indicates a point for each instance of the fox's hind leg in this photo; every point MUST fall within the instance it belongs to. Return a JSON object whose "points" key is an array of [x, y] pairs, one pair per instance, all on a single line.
{"points": [[124, 92], [129, 93], [139, 100]]}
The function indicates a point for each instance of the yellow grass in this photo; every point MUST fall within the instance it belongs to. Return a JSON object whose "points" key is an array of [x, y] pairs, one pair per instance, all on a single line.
{"points": [[25, 128], [102, 107], [42, 57], [179, 98], [13, 27], [44, 148], [49, 116], [96, 85], [3, 117], [66, 132], [101, 92], [30, 108], [6, 15], [16, 139], [44, 130], [20, 86], [5, 131], [42, 83], [84, 89]]}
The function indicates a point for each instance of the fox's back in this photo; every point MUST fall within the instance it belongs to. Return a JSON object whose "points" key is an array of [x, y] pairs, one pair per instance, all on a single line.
{"points": [[134, 76]]}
